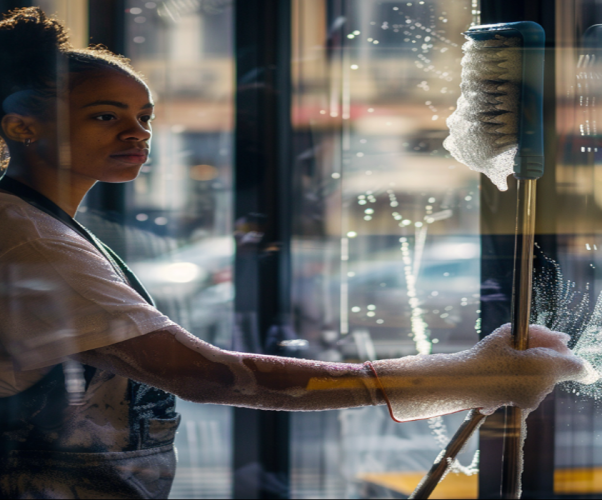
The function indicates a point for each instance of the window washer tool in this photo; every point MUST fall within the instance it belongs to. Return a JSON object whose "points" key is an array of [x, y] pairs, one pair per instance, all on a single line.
{"points": [[500, 116]]}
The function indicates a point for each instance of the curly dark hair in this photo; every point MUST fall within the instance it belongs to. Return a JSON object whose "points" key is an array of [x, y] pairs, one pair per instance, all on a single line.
{"points": [[38, 62]]}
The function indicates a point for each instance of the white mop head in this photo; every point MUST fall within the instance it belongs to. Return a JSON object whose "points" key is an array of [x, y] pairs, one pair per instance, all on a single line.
{"points": [[483, 130]]}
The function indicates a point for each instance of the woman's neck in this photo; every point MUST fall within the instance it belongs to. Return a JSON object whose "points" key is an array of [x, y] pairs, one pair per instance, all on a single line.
{"points": [[61, 186]]}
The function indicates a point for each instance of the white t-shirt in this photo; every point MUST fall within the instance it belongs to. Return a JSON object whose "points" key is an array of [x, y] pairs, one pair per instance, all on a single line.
{"points": [[58, 296]]}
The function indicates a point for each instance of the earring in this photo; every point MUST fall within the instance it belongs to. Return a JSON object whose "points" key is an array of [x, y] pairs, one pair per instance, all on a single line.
{"points": [[27, 142]]}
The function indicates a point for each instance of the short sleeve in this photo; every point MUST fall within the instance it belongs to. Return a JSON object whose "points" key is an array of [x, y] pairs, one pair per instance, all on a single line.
{"points": [[60, 297]]}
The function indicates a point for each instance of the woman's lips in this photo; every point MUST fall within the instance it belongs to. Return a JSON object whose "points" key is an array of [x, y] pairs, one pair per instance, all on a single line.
{"points": [[133, 157]]}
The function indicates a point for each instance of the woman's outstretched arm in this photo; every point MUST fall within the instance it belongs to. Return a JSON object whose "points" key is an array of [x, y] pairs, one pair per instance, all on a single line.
{"points": [[177, 362], [489, 375]]}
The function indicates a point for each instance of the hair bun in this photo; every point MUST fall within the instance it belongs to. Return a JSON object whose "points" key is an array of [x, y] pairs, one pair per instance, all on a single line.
{"points": [[29, 44]]}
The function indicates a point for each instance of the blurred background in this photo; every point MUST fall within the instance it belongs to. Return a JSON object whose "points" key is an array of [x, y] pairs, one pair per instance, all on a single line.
{"points": [[298, 201]]}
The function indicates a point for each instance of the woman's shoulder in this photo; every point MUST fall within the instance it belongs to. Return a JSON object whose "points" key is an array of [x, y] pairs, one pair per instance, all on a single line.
{"points": [[20, 223]]}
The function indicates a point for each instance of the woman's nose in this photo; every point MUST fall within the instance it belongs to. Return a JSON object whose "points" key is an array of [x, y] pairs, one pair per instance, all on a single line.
{"points": [[136, 133]]}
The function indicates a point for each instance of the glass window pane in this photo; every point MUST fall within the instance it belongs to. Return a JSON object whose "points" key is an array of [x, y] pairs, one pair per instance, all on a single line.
{"points": [[386, 250]]}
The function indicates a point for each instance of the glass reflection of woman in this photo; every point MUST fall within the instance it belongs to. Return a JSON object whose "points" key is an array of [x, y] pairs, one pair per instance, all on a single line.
{"points": [[88, 366]]}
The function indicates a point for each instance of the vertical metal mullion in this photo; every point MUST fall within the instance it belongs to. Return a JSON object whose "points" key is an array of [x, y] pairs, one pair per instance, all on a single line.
{"points": [[262, 204], [497, 248]]}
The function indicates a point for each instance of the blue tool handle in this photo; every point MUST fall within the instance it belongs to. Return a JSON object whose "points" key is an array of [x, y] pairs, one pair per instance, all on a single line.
{"points": [[529, 161]]}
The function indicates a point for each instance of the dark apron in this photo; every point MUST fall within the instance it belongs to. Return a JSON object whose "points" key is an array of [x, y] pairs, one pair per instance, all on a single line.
{"points": [[116, 442]]}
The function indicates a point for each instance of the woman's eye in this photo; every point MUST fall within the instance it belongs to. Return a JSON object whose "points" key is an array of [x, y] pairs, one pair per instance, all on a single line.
{"points": [[104, 118], [147, 118]]}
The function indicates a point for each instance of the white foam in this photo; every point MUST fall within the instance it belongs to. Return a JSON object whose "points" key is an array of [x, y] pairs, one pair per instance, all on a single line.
{"points": [[483, 128]]}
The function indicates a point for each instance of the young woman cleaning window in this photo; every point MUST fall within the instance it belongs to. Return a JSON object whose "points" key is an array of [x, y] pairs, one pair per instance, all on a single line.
{"points": [[88, 365]]}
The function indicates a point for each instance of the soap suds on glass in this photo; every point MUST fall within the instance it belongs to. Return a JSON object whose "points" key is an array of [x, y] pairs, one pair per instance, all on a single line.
{"points": [[560, 305]]}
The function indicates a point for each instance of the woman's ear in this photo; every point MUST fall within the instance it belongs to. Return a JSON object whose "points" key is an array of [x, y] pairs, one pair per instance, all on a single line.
{"points": [[19, 128]]}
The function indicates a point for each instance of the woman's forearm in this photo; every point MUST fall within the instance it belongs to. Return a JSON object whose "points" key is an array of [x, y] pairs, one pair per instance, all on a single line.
{"points": [[290, 384], [178, 362]]}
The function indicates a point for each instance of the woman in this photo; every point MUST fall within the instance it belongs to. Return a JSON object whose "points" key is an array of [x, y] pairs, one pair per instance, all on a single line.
{"points": [[88, 366]]}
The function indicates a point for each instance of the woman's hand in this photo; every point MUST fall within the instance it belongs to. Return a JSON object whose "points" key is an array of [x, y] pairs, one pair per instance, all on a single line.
{"points": [[490, 375], [527, 377]]}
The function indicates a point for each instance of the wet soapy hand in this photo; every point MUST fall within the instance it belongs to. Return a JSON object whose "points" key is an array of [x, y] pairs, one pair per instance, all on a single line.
{"points": [[527, 377], [489, 375]]}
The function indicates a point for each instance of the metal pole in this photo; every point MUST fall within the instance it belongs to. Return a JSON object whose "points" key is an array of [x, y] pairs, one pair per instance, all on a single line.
{"points": [[521, 314]]}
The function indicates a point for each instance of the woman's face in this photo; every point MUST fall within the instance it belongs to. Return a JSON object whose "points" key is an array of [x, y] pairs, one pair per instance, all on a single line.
{"points": [[109, 128]]}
